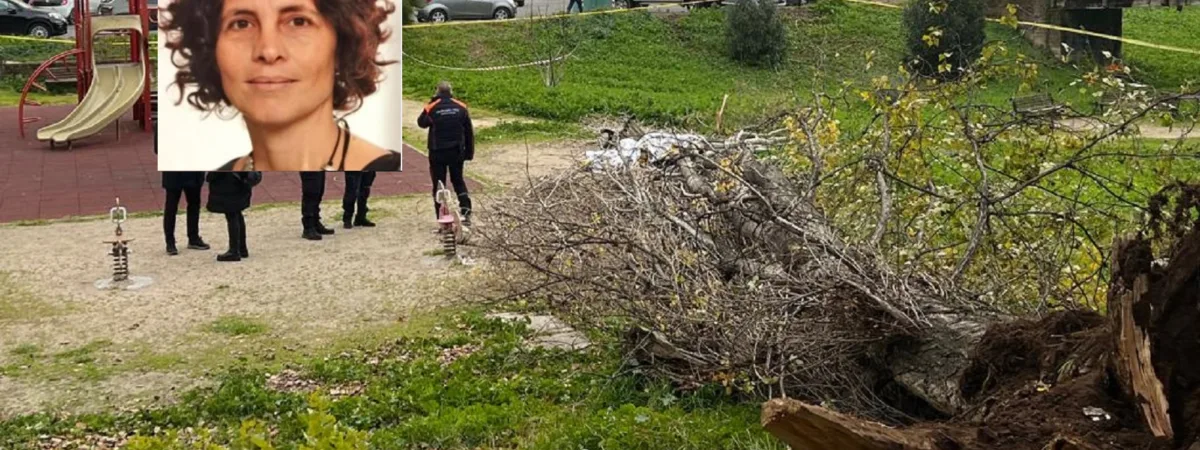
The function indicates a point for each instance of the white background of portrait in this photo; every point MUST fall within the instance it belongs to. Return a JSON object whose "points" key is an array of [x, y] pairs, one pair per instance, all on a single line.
{"points": [[190, 140]]}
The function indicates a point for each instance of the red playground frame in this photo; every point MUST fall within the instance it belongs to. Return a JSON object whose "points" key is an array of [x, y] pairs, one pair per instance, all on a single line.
{"points": [[84, 63]]}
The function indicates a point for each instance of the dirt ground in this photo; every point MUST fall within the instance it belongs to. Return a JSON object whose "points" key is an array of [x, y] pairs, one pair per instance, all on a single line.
{"points": [[68, 346]]}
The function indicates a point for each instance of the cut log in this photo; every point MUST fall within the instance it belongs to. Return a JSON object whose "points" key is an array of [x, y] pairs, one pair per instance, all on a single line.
{"points": [[1066, 443], [1133, 362], [807, 427], [1175, 291]]}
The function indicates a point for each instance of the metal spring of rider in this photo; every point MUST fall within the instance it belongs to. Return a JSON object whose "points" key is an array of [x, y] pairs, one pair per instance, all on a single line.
{"points": [[120, 256], [448, 244]]}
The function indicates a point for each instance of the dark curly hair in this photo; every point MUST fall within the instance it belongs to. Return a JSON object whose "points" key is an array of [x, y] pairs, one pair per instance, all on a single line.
{"points": [[356, 22]]}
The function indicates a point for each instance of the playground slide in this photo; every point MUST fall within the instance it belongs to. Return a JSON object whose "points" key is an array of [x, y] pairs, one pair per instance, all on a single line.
{"points": [[114, 90]]}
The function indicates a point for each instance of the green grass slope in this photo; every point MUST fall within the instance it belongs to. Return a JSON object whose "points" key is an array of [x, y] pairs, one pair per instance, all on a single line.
{"points": [[670, 69]]}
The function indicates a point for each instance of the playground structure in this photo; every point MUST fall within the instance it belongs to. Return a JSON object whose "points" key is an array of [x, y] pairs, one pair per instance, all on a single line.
{"points": [[450, 224], [105, 90], [120, 256]]}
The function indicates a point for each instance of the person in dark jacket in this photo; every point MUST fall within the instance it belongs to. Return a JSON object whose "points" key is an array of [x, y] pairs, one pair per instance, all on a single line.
{"points": [[179, 184], [451, 144], [312, 189], [229, 194], [358, 189]]}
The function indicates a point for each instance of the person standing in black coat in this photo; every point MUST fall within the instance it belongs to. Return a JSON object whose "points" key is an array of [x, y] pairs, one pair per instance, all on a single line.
{"points": [[312, 188], [179, 184], [358, 189], [451, 144], [229, 193]]}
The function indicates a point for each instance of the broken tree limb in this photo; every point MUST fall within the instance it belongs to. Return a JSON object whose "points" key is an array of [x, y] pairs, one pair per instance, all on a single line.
{"points": [[807, 427], [1066, 443], [1133, 360]]}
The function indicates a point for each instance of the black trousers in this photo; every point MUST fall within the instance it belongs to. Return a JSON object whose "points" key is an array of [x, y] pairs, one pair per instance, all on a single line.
{"points": [[573, 3], [358, 190], [437, 171], [193, 214], [312, 189], [236, 222]]}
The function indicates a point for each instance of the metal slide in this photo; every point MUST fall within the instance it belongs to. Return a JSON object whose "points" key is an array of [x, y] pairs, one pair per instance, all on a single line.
{"points": [[114, 90]]}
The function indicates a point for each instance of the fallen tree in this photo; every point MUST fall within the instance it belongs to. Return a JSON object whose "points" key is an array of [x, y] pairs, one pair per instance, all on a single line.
{"points": [[729, 274], [660, 245], [853, 273], [1126, 382]]}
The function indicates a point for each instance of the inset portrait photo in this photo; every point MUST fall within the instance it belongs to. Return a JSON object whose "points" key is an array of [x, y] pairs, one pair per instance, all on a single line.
{"points": [[279, 85]]}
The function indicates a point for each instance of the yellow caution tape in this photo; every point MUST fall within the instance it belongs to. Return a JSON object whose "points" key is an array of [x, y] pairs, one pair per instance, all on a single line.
{"points": [[865, 2], [1067, 30], [61, 41], [24, 38]]}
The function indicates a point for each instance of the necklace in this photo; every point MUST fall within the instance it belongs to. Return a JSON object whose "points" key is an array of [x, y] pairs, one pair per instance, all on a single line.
{"points": [[343, 138]]}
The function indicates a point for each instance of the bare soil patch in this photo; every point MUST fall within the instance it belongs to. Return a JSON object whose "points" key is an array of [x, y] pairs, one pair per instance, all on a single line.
{"points": [[161, 341], [302, 291]]}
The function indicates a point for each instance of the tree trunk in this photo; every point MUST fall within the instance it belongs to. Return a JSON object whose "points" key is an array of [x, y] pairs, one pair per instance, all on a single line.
{"points": [[1132, 358], [807, 427]]}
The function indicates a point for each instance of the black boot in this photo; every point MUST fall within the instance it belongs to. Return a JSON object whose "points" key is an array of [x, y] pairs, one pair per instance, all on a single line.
{"points": [[321, 229], [310, 232], [171, 250], [235, 237], [242, 250], [363, 222], [198, 244], [466, 217]]}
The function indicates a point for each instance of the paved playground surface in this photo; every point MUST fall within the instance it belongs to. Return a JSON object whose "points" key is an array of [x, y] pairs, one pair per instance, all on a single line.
{"points": [[39, 183]]}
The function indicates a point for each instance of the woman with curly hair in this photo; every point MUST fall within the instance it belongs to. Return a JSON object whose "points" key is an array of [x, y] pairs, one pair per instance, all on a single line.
{"points": [[287, 66]]}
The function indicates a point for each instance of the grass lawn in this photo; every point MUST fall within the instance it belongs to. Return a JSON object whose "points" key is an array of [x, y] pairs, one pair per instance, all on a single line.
{"points": [[670, 69], [461, 381], [1164, 26]]}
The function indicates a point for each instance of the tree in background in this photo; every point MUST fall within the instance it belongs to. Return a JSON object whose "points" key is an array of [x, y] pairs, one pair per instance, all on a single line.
{"points": [[410, 10], [755, 34], [944, 36]]}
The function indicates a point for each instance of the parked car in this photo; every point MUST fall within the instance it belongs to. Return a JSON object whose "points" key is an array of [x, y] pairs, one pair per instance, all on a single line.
{"points": [[18, 18], [110, 7], [444, 10], [62, 7]]}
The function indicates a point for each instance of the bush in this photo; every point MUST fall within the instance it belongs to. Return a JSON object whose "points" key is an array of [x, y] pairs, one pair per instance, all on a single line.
{"points": [[935, 28], [756, 35], [410, 8]]}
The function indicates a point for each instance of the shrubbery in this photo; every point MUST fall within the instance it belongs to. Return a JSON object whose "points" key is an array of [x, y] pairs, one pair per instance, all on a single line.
{"points": [[755, 33], [944, 36], [409, 9]]}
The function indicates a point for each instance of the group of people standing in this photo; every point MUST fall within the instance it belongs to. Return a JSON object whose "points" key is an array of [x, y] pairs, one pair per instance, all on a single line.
{"points": [[229, 193], [451, 144]]}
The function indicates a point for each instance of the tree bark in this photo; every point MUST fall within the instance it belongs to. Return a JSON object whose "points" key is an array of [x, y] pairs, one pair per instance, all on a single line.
{"points": [[1154, 312], [807, 427]]}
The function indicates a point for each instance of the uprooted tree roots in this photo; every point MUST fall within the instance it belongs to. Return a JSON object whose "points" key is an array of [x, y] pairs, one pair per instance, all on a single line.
{"points": [[725, 272]]}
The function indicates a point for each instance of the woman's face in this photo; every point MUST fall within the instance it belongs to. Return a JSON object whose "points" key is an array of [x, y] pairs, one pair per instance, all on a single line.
{"points": [[276, 59]]}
